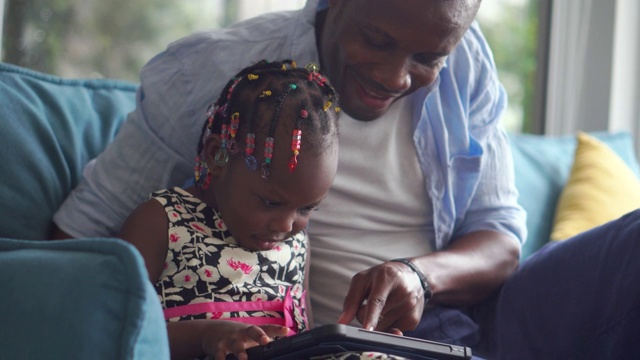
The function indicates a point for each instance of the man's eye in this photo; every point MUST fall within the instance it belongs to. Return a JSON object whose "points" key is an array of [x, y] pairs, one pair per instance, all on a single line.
{"points": [[376, 42], [428, 61]]}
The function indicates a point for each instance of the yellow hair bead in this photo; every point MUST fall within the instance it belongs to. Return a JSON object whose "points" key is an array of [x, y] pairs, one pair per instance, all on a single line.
{"points": [[293, 64], [252, 76], [311, 67], [327, 105], [284, 68], [337, 109], [265, 93]]}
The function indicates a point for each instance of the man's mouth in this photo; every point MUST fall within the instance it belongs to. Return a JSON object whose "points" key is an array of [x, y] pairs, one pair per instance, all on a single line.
{"points": [[374, 100]]}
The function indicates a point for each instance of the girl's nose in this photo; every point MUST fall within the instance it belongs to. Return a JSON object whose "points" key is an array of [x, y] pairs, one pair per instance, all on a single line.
{"points": [[282, 224]]}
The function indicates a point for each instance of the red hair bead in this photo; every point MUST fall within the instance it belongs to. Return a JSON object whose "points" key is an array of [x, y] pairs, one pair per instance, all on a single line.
{"points": [[295, 146]]}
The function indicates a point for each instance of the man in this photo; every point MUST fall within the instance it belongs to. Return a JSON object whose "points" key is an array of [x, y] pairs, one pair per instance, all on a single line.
{"points": [[424, 204]]}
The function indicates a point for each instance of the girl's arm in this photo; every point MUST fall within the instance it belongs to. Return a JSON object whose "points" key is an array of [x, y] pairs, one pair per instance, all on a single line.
{"points": [[147, 229]]}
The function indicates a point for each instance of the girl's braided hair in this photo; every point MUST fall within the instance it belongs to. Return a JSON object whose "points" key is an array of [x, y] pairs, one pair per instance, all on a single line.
{"points": [[254, 100]]}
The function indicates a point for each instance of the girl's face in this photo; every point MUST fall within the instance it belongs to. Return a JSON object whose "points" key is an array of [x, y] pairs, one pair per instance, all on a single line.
{"points": [[259, 213]]}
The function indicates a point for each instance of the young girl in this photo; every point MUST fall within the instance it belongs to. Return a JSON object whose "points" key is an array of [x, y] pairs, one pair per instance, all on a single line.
{"points": [[228, 256]]}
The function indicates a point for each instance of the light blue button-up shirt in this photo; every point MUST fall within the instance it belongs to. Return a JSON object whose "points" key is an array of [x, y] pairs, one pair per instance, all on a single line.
{"points": [[464, 154]]}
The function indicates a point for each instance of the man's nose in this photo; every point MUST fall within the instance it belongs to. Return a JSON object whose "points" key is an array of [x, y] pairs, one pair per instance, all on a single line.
{"points": [[393, 75]]}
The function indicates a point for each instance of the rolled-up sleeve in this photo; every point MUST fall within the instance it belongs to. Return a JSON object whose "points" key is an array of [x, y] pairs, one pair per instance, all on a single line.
{"points": [[144, 156]]}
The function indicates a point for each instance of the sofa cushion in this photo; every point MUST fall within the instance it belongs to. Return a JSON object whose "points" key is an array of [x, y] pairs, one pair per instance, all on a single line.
{"points": [[542, 166], [78, 299], [50, 128], [600, 188]]}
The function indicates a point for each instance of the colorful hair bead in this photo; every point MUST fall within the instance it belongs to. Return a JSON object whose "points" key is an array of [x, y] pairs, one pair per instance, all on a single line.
{"points": [[222, 156], [233, 86], [197, 169], [312, 67], [268, 154], [233, 130], [207, 180], [295, 146], [249, 159]]}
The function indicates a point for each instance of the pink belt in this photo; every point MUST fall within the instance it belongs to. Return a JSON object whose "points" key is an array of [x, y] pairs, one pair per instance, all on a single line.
{"points": [[286, 307]]}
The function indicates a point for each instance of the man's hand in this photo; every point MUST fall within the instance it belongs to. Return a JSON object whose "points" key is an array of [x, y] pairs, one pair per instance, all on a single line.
{"points": [[390, 295], [387, 297]]}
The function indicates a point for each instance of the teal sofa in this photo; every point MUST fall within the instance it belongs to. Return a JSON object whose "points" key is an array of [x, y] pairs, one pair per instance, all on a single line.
{"points": [[89, 298], [72, 299]]}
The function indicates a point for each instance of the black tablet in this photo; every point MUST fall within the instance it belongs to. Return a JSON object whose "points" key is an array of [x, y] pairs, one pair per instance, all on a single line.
{"points": [[337, 338]]}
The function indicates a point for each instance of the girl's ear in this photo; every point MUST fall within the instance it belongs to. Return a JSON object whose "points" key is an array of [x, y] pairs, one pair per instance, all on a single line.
{"points": [[213, 145]]}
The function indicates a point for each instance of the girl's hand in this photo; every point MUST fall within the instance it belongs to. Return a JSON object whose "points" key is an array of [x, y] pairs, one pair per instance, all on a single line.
{"points": [[230, 337]]}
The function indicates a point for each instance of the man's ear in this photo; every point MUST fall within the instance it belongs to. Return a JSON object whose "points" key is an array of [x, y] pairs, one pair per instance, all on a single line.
{"points": [[212, 147]]}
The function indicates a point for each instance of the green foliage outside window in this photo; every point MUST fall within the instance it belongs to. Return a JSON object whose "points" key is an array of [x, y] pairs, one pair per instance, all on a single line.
{"points": [[512, 33], [98, 38], [115, 38]]}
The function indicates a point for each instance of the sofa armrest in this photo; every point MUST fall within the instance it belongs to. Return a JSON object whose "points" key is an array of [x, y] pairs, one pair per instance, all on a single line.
{"points": [[78, 299]]}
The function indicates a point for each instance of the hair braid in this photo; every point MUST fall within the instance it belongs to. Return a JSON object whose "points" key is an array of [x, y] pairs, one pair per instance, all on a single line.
{"points": [[245, 102]]}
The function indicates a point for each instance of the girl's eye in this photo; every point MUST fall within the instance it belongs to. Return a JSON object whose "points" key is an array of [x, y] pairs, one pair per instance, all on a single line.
{"points": [[308, 209], [269, 203]]}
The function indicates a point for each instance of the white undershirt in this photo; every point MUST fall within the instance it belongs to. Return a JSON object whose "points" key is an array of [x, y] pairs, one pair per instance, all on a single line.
{"points": [[376, 210]]}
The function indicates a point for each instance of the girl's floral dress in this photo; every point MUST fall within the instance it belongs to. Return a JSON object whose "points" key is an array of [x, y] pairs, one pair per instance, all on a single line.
{"points": [[208, 276]]}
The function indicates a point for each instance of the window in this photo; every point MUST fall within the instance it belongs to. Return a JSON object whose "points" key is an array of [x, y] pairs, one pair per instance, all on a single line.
{"points": [[513, 28], [114, 38]]}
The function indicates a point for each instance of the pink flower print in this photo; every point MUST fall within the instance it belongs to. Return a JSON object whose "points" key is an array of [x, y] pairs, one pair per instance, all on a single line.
{"points": [[220, 225], [259, 297], [186, 279], [281, 289], [173, 216], [170, 267], [200, 227], [216, 315], [244, 267], [178, 236], [296, 290], [209, 273], [280, 253], [238, 265], [179, 208]]}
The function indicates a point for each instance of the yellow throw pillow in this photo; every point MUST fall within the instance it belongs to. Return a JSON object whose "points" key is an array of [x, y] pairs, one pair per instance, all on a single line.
{"points": [[601, 188]]}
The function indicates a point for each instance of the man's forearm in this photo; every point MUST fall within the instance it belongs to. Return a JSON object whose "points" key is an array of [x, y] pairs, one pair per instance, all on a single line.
{"points": [[471, 268]]}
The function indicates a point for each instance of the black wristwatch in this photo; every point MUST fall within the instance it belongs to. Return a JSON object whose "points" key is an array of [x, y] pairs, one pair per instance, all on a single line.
{"points": [[423, 278]]}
